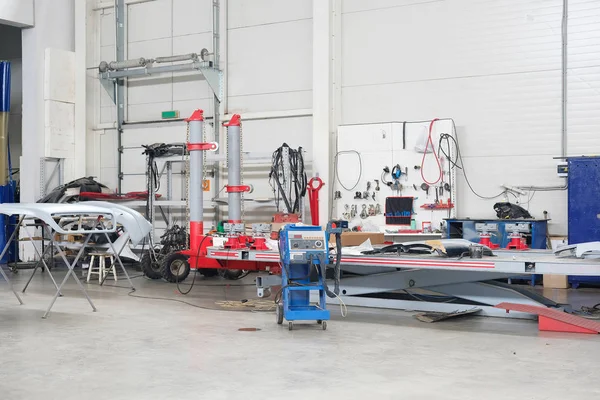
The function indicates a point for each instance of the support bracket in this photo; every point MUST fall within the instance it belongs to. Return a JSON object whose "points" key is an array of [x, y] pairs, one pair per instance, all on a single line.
{"points": [[109, 86], [213, 76]]}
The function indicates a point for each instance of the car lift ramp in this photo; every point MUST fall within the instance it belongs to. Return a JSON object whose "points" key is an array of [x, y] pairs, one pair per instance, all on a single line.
{"points": [[555, 320]]}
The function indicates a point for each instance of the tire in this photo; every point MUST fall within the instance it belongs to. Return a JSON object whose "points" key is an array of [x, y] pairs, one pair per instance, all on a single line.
{"points": [[152, 270], [208, 272], [279, 314], [234, 274], [175, 267]]}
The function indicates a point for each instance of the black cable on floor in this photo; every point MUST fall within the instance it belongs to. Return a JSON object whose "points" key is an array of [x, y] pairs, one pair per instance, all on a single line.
{"points": [[178, 301]]}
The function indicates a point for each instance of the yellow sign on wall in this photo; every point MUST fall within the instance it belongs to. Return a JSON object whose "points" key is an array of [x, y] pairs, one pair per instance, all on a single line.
{"points": [[206, 185]]}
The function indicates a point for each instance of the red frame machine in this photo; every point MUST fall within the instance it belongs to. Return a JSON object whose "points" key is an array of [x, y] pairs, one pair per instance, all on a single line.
{"points": [[199, 242]]}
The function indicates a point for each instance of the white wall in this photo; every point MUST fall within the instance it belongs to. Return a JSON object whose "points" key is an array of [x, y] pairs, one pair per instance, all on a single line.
{"points": [[495, 67], [54, 29], [16, 12], [266, 56], [10, 50]]}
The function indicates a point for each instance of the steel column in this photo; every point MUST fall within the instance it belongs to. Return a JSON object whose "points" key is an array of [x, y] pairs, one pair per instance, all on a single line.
{"points": [[216, 102], [234, 172], [196, 148], [196, 198], [120, 87]]}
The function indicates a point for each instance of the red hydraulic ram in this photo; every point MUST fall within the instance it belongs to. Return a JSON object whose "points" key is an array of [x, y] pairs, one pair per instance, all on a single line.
{"points": [[199, 242]]}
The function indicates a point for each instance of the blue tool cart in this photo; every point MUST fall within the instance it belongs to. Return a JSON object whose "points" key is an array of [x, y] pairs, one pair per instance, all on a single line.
{"points": [[584, 206], [303, 248]]}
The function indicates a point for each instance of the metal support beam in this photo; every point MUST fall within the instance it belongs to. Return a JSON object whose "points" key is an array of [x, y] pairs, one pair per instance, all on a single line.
{"points": [[119, 87], [322, 115], [218, 95]]}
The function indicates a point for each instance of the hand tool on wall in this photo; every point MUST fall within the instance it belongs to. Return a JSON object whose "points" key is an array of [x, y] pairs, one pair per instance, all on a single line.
{"points": [[371, 210], [364, 214], [386, 170], [314, 185], [397, 172], [346, 213]]}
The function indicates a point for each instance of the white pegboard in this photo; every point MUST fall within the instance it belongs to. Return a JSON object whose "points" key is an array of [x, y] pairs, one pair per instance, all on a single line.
{"points": [[381, 145]]}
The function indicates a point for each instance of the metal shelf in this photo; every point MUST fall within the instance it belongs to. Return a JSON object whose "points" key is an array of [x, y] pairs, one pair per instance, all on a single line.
{"points": [[157, 203], [213, 76], [248, 157]]}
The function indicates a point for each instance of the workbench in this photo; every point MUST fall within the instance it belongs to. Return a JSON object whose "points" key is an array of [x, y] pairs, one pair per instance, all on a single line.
{"points": [[466, 228]]}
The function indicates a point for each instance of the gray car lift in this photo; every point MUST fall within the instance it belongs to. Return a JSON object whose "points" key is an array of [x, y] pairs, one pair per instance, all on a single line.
{"points": [[381, 281]]}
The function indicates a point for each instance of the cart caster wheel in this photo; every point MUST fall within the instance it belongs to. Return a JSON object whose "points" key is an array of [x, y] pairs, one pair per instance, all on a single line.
{"points": [[319, 321], [291, 326], [324, 325], [279, 314]]}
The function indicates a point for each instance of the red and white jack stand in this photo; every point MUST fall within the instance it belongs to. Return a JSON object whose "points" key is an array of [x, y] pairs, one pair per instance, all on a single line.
{"points": [[485, 239], [517, 242], [259, 236]]}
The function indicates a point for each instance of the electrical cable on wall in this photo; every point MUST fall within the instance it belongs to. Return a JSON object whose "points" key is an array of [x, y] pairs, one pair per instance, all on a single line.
{"points": [[459, 158], [360, 168], [437, 159], [297, 178]]}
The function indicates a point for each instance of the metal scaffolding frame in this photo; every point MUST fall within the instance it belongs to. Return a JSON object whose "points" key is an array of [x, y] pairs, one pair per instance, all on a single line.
{"points": [[166, 170], [113, 75]]}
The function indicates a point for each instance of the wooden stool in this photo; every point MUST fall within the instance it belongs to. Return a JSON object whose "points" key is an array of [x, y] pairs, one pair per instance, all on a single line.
{"points": [[101, 270]]}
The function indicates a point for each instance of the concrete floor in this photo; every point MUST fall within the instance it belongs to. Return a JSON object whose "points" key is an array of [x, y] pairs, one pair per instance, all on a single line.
{"points": [[135, 348]]}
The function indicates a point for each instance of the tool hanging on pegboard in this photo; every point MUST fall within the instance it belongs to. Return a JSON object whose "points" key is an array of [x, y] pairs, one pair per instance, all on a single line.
{"points": [[314, 185]]}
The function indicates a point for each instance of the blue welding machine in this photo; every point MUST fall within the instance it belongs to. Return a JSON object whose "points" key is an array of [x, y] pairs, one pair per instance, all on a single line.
{"points": [[304, 254]]}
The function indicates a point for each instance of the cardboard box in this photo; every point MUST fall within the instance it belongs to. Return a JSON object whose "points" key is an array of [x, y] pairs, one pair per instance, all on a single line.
{"points": [[556, 281], [357, 238], [275, 227]]}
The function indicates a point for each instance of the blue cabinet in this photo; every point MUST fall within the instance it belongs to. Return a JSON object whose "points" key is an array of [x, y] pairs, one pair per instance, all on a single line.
{"points": [[584, 205]]}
